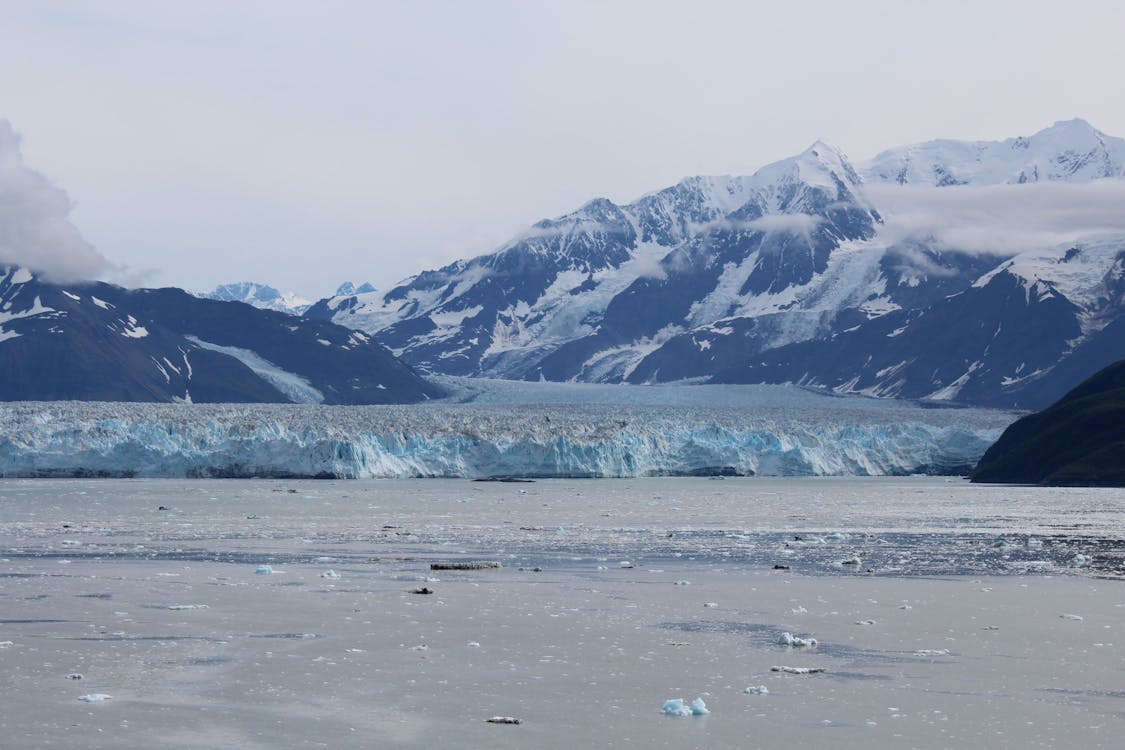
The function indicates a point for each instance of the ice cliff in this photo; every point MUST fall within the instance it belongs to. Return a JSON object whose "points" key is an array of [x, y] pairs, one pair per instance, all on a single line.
{"points": [[478, 440]]}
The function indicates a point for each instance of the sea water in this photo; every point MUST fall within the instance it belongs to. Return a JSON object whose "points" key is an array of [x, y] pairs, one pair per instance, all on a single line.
{"points": [[932, 613]]}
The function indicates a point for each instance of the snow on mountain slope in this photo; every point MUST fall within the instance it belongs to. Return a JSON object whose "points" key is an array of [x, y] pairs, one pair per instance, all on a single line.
{"points": [[95, 341], [1070, 151], [803, 272], [592, 278]]}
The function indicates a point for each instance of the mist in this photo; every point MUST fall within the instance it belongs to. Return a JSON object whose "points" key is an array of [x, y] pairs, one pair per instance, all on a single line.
{"points": [[34, 229]]}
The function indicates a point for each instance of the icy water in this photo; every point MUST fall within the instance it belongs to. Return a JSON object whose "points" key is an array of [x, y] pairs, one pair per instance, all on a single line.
{"points": [[944, 614]]}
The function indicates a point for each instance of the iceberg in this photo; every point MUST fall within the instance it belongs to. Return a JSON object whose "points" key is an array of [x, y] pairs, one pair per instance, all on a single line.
{"points": [[818, 437]]}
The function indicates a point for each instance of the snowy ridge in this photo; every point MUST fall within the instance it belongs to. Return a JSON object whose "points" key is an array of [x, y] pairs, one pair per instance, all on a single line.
{"points": [[1068, 151], [845, 437]]}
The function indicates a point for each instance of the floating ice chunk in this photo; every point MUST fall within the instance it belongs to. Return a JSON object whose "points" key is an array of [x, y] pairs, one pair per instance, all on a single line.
{"points": [[853, 560], [1002, 545], [710, 605], [503, 720], [683, 583], [625, 564], [905, 606], [74, 676], [757, 690], [800, 611], [1080, 560], [864, 622], [835, 536], [330, 574], [788, 639], [473, 644], [798, 670], [189, 606], [932, 652], [94, 697], [7, 644], [1067, 616], [675, 707], [1034, 543], [264, 570]]}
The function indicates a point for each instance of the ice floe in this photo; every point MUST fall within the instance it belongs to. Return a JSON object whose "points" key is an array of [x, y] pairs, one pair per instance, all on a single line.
{"points": [[678, 707], [788, 639], [798, 670]]}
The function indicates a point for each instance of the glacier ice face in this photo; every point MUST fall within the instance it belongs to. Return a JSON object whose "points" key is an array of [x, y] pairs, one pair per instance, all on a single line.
{"points": [[760, 434]]}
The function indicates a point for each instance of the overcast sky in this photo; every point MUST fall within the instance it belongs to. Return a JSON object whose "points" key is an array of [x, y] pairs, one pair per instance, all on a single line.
{"points": [[307, 143]]}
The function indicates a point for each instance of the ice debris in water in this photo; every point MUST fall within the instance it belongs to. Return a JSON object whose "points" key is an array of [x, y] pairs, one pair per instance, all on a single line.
{"points": [[329, 574], [798, 670], [677, 707], [264, 570], [1080, 560], [503, 720], [74, 676], [94, 697], [757, 690], [189, 606], [788, 639], [835, 536], [1067, 616], [625, 564], [853, 560]]}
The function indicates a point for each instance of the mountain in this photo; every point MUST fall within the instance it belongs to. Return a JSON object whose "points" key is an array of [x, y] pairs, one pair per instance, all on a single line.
{"points": [[99, 342], [798, 274], [1069, 151], [262, 296], [1080, 440]]}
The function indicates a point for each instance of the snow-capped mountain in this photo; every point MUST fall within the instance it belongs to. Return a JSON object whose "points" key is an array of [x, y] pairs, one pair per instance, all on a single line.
{"points": [[101, 342], [1069, 151], [808, 271], [262, 296]]}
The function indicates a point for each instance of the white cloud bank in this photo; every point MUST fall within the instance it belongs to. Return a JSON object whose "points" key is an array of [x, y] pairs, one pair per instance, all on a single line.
{"points": [[34, 230], [1001, 219]]}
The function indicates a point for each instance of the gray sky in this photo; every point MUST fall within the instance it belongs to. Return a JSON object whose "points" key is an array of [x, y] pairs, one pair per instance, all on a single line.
{"points": [[307, 143]]}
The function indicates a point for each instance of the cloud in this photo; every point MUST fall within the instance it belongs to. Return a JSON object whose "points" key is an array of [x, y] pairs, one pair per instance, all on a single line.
{"points": [[34, 230], [802, 224], [1000, 219]]}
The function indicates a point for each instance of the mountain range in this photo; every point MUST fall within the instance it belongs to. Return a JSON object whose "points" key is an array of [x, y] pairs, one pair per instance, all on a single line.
{"points": [[100, 342], [266, 297], [989, 273]]}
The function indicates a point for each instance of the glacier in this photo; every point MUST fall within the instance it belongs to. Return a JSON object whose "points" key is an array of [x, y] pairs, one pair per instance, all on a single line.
{"points": [[615, 432]]}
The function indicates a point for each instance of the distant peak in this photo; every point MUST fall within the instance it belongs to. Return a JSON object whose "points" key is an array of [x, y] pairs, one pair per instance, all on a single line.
{"points": [[1076, 123], [820, 149], [348, 288]]}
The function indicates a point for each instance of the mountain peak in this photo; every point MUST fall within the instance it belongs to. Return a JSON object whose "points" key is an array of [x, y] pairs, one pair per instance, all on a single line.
{"points": [[1067, 151]]}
